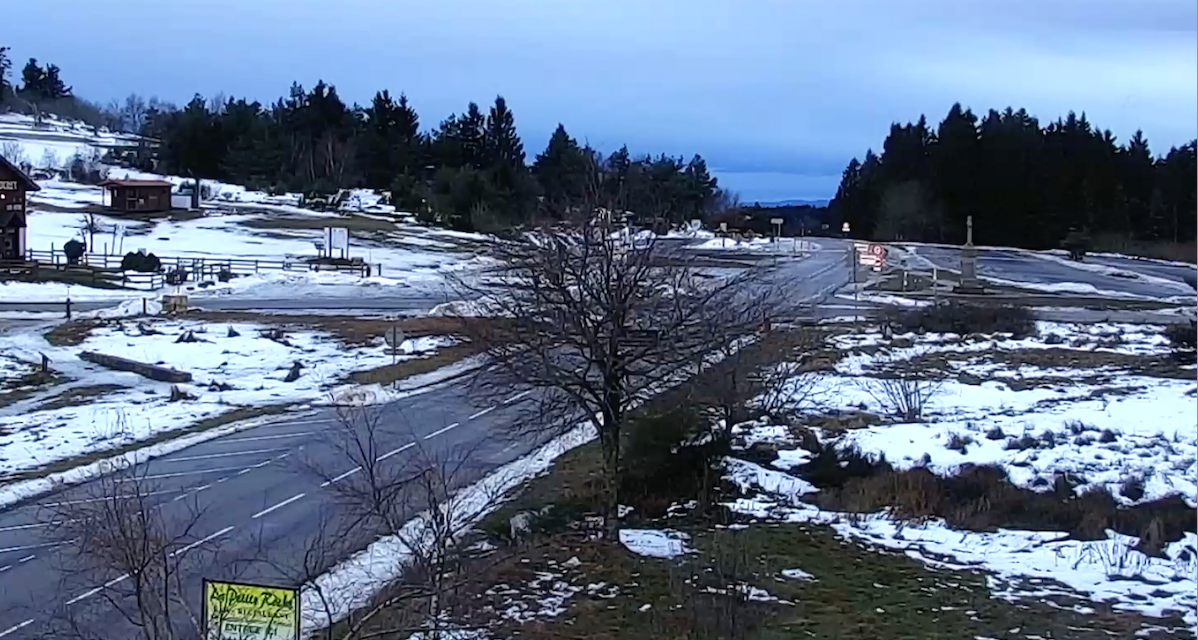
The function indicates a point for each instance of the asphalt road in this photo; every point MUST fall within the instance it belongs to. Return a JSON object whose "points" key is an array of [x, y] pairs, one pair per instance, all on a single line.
{"points": [[255, 490], [1026, 267]]}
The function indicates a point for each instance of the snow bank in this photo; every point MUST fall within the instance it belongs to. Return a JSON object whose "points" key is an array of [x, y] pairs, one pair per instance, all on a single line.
{"points": [[230, 369], [353, 582], [655, 543]]}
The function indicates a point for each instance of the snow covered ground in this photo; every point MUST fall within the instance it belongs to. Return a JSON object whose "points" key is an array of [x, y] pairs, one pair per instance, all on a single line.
{"points": [[233, 365], [1093, 416], [409, 255], [56, 141]]}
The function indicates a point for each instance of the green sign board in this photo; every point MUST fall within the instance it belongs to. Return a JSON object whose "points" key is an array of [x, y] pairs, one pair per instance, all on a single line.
{"points": [[240, 611]]}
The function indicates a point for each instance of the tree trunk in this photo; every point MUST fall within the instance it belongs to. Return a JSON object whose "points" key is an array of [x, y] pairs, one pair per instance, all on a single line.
{"points": [[609, 443]]}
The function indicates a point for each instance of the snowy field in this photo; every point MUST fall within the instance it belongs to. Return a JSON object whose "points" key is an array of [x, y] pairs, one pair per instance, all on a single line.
{"points": [[1096, 419], [233, 365]]}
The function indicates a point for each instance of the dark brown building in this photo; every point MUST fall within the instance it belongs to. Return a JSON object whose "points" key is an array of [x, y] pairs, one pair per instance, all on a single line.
{"points": [[142, 196], [14, 184]]}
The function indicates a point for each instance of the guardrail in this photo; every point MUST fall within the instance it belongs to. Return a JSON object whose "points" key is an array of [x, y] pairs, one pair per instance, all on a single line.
{"points": [[207, 267]]}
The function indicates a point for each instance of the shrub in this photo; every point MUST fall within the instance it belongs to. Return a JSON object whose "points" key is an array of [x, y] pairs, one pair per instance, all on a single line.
{"points": [[995, 433], [668, 458], [140, 262], [958, 442], [1106, 436], [1183, 336], [964, 318]]}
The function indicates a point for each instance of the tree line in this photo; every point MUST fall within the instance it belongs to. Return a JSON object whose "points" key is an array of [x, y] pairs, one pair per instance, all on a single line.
{"points": [[469, 172], [1025, 184]]}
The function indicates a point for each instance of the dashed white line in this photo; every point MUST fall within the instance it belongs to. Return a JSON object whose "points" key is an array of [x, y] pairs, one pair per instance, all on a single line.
{"points": [[27, 547], [210, 456], [26, 559], [274, 437], [201, 541], [440, 431], [395, 451], [87, 500], [180, 474], [340, 477], [277, 506], [18, 527], [518, 396], [16, 627], [483, 412]]}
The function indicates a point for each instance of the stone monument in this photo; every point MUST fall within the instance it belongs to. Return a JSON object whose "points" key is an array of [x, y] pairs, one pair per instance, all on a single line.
{"points": [[969, 263]]}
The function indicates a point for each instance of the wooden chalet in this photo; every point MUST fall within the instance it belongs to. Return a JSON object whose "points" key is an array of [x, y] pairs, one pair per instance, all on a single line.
{"points": [[14, 184]]}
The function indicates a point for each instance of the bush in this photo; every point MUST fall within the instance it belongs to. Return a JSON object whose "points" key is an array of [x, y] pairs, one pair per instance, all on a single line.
{"points": [[176, 276], [140, 262], [668, 458], [1182, 335], [963, 318]]}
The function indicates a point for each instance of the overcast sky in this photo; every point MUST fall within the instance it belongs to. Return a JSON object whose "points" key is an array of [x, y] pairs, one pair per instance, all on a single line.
{"points": [[777, 95]]}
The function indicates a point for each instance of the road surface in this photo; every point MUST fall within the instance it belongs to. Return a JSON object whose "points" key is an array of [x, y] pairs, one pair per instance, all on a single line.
{"points": [[255, 489], [1020, 266]]}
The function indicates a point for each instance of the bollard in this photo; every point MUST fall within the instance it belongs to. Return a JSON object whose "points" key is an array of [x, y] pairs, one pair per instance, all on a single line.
{"points": [[68, 308]]}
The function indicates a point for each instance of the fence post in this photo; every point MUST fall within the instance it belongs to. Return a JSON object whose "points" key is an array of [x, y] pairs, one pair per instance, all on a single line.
{"points": [[143, 305]]}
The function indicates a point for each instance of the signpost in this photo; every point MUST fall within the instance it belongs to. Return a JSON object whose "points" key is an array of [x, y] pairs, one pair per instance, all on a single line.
{"points": [[337, 238], [844, 228], [777, 222], [242, 611], [395, 338]]}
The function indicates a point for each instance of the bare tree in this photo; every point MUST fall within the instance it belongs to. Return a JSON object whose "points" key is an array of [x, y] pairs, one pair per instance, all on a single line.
{"points": [[601, 319], [769, 373], [415, 507], [901, 388], [50, 160], [124, 554], [133, 113], [12, 151], [90, 224]]}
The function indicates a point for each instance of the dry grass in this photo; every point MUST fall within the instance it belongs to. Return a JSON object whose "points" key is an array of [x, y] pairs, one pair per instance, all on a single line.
{"points": [[71, 333], [229, 417], [351, 330], [78, 396], [390, 373], [16, 389], [1175, 251], [351, 222]]}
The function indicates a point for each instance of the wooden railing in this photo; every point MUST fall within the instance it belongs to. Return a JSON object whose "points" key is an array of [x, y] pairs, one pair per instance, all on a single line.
{"points": [[204, 267]]}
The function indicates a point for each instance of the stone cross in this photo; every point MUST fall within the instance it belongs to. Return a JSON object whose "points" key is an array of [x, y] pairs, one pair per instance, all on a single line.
{"points": [[968, 229]]}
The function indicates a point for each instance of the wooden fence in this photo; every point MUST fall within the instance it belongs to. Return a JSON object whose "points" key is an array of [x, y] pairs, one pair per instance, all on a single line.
{"points": [[205, 267], [86, 275]]}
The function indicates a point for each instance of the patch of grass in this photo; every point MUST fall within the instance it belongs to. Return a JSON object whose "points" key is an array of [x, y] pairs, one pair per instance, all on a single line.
{"points": [[351, 330], [78, 396], [963, 318], [16, 389], [390, 373], [982, 498], [351, 222], [71, 333], [229, 417]]}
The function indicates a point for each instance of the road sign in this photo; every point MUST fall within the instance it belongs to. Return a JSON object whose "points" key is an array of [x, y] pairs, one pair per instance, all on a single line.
{"points": [[394, 337], [844, 228], [878, 250], [240, 611], [776, 221], [723, 227]]}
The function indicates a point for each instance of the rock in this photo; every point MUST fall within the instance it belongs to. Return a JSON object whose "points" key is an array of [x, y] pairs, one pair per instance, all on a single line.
{"points": [[969, 378]]}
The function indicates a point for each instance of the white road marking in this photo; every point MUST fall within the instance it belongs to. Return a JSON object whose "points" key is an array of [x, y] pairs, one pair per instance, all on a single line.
{"points": [[200, 542], [26, 559], [87, 500], [440, 431], [180, 474], [27, 547], [16, 627], [274, 437], [91, 592], [18, 527], [518, 396], [340, 477], [391, 453], [221, 455], [277, 506], [482, 413]]}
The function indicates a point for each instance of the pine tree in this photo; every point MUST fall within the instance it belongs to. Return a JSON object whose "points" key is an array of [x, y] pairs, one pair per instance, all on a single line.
{"points": [[561, 172], [501, 142], [6, 88]]}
